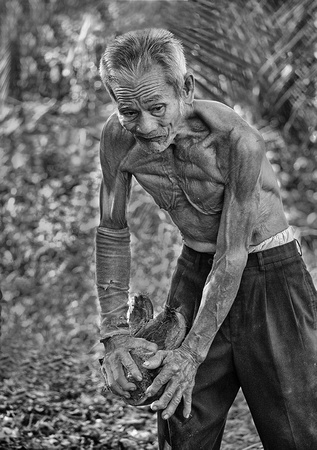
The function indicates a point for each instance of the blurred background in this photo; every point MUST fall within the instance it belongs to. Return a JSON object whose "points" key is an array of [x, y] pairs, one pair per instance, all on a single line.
{"points": [[259, 57]]}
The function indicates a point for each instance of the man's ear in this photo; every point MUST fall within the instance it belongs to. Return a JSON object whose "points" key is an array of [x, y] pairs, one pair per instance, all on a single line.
{"points": [[189, 87]]}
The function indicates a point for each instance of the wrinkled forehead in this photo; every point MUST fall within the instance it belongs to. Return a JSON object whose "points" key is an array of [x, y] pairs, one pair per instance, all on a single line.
{"points": [[150, 84]]}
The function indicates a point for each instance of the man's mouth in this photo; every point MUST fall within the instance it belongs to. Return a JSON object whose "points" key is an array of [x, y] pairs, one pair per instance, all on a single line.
{"points": [[148, 139]]}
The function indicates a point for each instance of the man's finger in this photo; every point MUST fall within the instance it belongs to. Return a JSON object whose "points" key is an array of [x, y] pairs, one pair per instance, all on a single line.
{"points": [[173, 404], [119, 377], [128, 362], [167, 396], [115, 388], [143, 344], [187, 397], [113, 385], [155, 361], [161, 379]]}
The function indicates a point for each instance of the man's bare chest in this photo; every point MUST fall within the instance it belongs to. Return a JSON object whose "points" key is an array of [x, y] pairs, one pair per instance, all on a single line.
{"points": [[179, 177]]}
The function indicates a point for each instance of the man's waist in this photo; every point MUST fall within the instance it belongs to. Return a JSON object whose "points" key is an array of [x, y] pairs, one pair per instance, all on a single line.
{"points": [[281, 238], [258, 259], [201, 247]]}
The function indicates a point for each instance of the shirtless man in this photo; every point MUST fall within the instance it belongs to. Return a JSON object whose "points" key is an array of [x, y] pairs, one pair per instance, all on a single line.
{"points": [[240, 282]]}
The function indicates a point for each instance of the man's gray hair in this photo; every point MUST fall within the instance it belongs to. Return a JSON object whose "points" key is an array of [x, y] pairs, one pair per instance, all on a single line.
{"points": [[135, 52]]}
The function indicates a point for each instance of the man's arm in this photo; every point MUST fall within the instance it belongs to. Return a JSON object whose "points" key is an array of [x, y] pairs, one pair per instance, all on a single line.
{"points": [[113, 238], [113, 260], [241, 168]]}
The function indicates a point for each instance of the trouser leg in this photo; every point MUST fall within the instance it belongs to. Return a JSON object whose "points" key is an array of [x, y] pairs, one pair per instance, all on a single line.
{"points": [[274, 336], [216, 383], [216, 387], [268, 343]]}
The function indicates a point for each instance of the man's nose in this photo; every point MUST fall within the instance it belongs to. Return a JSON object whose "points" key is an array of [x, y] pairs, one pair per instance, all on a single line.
{"points": [[146, 124]]}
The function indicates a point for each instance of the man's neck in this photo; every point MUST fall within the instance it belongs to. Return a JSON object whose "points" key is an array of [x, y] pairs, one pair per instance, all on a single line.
{"points": [[190, 125]]}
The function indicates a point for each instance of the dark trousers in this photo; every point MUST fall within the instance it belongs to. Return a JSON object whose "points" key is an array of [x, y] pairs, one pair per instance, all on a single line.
{"points": [[267, 345]]}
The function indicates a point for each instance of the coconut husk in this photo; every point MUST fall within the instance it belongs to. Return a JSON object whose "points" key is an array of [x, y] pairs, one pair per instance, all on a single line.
{"points": [[167, 330]]}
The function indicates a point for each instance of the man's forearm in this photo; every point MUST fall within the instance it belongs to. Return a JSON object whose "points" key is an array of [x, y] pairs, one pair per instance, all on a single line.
{"points": [[113, 260], [218, 296]]}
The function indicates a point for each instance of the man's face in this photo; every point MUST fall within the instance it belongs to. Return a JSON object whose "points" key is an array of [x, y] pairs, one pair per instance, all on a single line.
{"points": [[149, 108]]}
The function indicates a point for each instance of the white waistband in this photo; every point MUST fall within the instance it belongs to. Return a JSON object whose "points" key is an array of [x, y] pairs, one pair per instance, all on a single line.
{"points": [[274, 241]]}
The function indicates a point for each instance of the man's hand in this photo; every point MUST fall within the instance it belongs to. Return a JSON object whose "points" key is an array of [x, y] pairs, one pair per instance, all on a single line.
{"points": [[178, 373], [117, 358]]}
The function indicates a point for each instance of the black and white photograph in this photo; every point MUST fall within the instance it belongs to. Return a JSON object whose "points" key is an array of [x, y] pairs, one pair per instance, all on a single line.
{"points": [[158, 225]]}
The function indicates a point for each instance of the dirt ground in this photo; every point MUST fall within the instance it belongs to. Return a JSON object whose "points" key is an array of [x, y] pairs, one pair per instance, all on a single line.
{"points": [[50, 398]]}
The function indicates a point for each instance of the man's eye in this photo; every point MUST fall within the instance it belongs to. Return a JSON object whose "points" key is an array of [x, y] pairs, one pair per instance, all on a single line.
{"points": [[128, 114], [159, 109]]}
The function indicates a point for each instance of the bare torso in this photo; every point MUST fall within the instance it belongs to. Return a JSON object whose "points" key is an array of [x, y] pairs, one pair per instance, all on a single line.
{"points": [[188, 180]]}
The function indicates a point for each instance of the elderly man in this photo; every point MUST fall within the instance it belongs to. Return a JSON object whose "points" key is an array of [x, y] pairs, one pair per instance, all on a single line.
{"points": [[240, 282]]}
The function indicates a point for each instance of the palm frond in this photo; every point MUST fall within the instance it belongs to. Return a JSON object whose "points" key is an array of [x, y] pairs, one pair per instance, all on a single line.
{"points": [[238, 46]]}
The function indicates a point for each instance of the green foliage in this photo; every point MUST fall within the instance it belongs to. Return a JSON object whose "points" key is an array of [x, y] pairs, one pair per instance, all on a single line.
{"points": [[49, 211]]}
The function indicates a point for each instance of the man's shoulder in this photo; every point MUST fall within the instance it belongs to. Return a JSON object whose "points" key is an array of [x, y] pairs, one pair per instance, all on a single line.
{"points": [[222, 118], [214, 111], [114, 136], [237, 139]]}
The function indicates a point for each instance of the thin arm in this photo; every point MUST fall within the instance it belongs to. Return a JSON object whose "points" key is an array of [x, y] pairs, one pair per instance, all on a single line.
{"points": [[242, 166]]}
